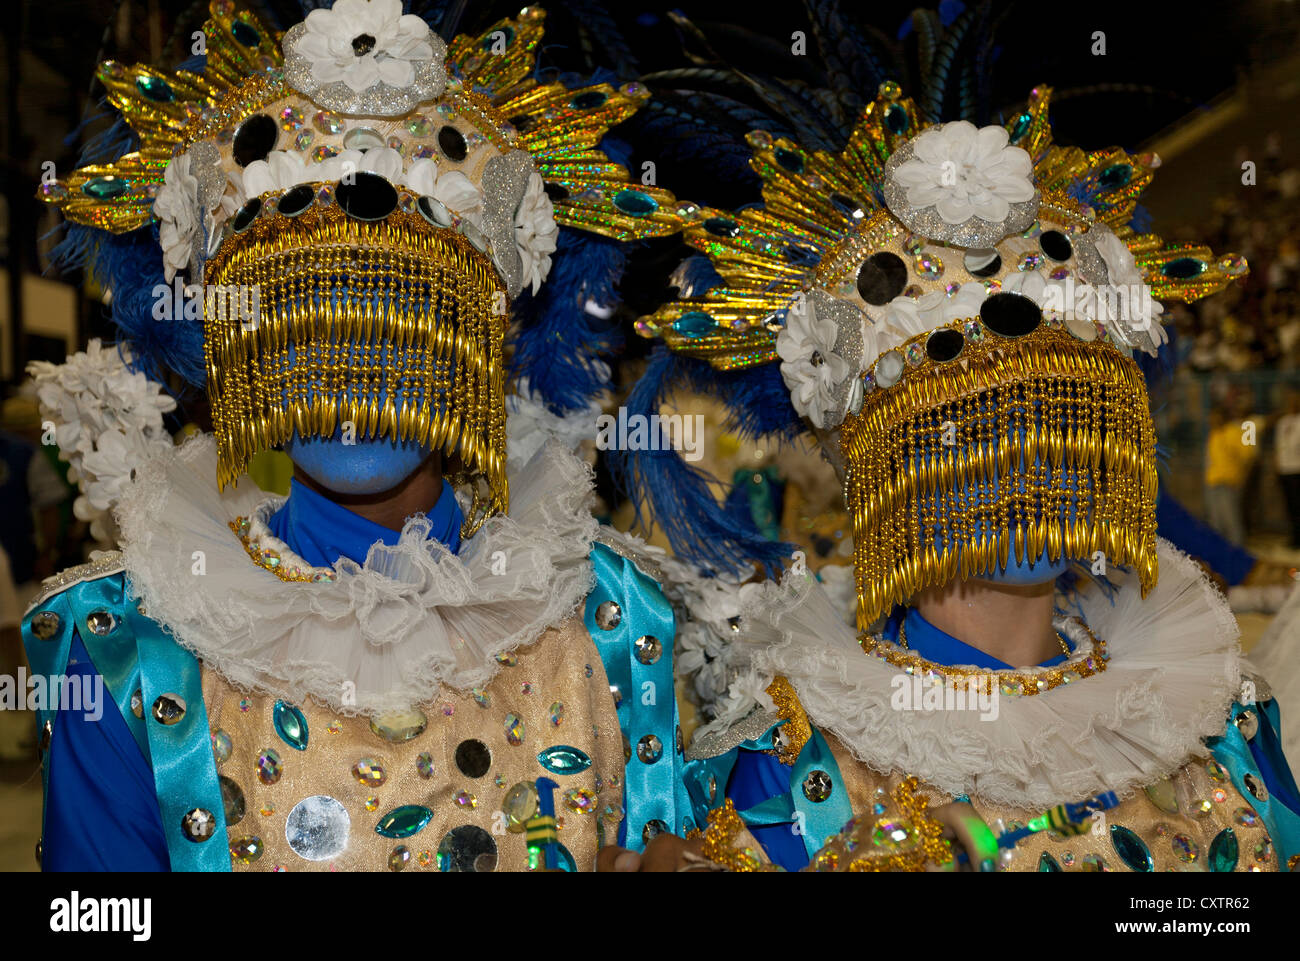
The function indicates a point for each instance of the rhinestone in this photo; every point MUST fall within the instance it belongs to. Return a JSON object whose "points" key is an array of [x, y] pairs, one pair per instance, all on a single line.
{"points": [[424, 765], [1130, 848], [1219, 795], [1047, 863], [1246, 817], [324, 152], [1264, 851], [362, 138], [244, 705], [973, 331], [400, 858], [1184, 268], [1248, 724], [508, 658], [247, 849], [291, 119], [269, 767], [467, 849], [452, 144], [1093, 863], [473, 758], [290, 724], [817, 786], [419, 127], [399, 726], [693, 323], [481, 697], [101, 623], [1215, 770], [402, 822], [634, 203], [526, 687], [317, 828], [221, 744], [514, 729], [563, 759], [232, 800], [370, 771], [198, 825], [327, 123], [156, 89], [45, 625], [465, 799], [648, 649], [928, 265], [649, 748], [581, 800], [653, 829], [914, 291], [608, 615], [556, 714], [1223, 851], [168, 709], [137, 704], [519, 805], [914, 354], [1185, 849], [1201, 808]]}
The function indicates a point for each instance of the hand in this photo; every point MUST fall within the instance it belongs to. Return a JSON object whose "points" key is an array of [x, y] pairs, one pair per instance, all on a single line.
{"points": [[665, 852], [969, 833]]}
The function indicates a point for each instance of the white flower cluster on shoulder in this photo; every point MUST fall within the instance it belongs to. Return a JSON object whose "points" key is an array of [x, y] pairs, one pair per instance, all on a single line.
{"points": [[107, 421], [707, 608], [809, 365]]}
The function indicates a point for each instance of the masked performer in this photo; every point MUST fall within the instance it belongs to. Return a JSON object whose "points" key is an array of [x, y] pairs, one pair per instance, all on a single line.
{"points": [[380, 671], [953, 310]]}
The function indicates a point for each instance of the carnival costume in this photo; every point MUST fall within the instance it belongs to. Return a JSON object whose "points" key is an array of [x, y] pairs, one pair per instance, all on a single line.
{"points": [[953, 311], [294, 687]]}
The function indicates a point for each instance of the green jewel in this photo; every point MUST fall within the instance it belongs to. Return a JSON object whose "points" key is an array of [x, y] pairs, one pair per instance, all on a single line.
{"points": [[588, 100], [1223, 851], [896, 118], [1130, 848], [106, 188], [1116, 175], [1047, 863], [1018, 130], [788, 159], [245, 34], [155, 88], [1183, 268], [403, 821], [635, 203], [562, 759], [695, 323], [290, 725]]}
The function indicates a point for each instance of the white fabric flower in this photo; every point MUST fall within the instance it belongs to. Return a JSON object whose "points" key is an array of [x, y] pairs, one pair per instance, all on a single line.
{"points": [[1127, 308], [964, 172], [363, 43], [906, 317], [809, 365], [536, 232], [177, 210]]}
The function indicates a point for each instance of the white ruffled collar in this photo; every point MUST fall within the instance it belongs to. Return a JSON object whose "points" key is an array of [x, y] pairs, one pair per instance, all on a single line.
{"points": [[382, 635], [1174, 668]]}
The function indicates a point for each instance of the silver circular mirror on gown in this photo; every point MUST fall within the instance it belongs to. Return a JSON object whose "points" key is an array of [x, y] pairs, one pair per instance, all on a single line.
{"points": [[317, 828]]}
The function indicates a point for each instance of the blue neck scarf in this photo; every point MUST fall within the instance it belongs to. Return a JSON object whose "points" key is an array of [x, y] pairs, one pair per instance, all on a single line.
{"points": [[321, 531], [929, 642]]}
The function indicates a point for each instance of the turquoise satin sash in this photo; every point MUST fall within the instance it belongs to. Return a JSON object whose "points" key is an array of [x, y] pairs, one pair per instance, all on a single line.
{"points": [[645, 699], [1233, 752]]}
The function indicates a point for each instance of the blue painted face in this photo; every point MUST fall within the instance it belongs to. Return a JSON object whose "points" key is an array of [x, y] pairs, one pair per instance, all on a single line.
{"points": [[364, 467]]}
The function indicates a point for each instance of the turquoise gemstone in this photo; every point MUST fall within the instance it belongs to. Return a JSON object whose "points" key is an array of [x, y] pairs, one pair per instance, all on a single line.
{"points": [[155, 88], [105, 188], [1130, 848], [788, 159], [896, 118], [694, 323], [589, 100], [490, 40], [245, 34], [1116, 175], [404, 821], [562, 759], [1183, 268], [721, 227], [634, 203], [1047, 863], [1018, 130], [290, 725], [1223, 851]]}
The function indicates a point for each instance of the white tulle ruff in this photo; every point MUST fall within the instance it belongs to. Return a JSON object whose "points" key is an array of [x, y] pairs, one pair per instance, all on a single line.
{"points": [[1174, 669], [382, 635]]}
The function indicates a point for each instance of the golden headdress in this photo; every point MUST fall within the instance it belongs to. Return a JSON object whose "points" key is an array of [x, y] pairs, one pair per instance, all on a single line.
{"points": [[361, 203], [958, 306]]}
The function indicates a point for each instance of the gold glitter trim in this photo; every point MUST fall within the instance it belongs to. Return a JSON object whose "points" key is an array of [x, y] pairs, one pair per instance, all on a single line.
{"points": [[725, 827], [270, 560], [797, 729], [933, 849], [1027, 681]]}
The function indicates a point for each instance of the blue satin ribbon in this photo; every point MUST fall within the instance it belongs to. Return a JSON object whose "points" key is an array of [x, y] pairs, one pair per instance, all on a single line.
{"points": [[48, 658], [1262, 758], [646, 702], [184, 769], [821, 819]]}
